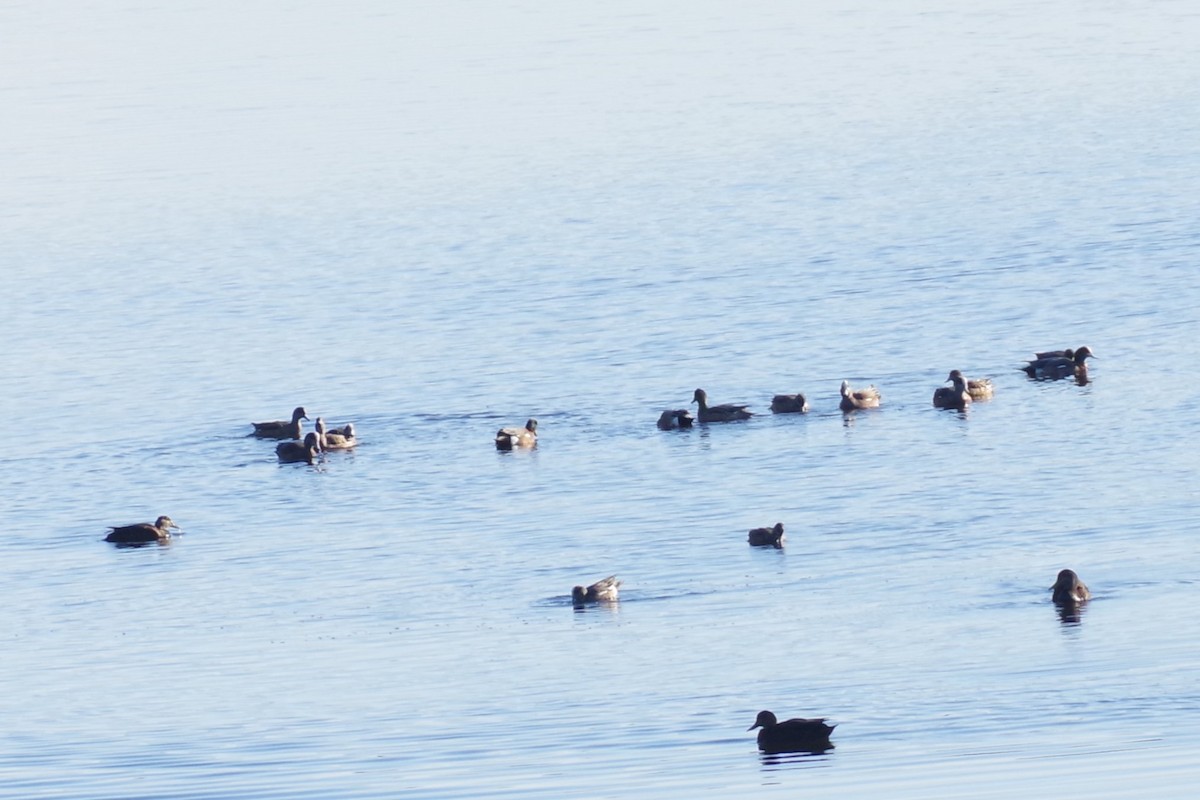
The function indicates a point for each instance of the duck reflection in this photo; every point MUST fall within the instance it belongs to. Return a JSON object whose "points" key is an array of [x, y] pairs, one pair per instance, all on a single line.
{"points": [[801, 757], [1070, 613]]}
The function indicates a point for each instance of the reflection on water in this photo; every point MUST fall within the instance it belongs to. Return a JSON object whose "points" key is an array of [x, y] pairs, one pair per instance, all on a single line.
{"points": [[1070, 613], [132, 545], [798, 758]]}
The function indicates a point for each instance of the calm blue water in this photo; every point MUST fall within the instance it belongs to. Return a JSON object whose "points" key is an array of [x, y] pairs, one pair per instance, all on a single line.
{"points": [[435, 221]]}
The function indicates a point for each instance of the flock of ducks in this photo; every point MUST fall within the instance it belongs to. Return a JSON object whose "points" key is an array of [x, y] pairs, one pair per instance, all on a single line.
{"points": [[1047, 365], [812, 735], [792, 735], [296, 450]]}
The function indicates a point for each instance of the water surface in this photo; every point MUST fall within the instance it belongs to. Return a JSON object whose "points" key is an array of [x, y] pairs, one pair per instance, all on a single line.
{"points": [[437, 221]]}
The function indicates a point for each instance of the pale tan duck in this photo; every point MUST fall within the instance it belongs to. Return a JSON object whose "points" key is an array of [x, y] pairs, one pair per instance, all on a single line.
{"points": [[980, 388], [1069, 590], [142, 532], [511, 438], [854, 399], [294, 452], [792, 735], [956, 396], [603, 591], [335, 438], [789, 404], [767, 537], [279, 429], [725, 412]]}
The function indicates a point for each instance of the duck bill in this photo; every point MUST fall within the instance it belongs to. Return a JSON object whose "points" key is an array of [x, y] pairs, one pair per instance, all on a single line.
{"points": [[752, 727]]}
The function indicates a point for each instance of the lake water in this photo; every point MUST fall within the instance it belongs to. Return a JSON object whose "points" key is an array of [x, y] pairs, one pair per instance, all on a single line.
{"points": [[436, 219]]}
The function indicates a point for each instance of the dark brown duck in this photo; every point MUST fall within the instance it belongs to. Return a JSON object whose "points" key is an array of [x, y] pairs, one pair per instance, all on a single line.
{"points": [[279, 429], [957, 396], [763, 537], [725, 412], [675, 419], [789, 404], [294, 452], [142, 532], [792, 735], [1069, 590]]}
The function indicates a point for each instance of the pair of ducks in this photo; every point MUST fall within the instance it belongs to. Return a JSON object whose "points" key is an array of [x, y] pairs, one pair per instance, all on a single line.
{"points": [[812, 735], [305, 451], [1053, 365], [852, 399], [322, 441], [963, 392]]}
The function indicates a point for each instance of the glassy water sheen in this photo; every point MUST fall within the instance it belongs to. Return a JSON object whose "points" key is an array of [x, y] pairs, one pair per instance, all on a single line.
{"points": [[436, 219]]}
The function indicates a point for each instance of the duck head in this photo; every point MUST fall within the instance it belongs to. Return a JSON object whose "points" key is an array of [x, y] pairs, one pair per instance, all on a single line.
{"points": [[765, 719]]}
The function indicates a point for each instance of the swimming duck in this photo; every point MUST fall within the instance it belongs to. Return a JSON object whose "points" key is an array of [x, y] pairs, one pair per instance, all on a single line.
{"points": [[760, 537], [675, 419], [278, 429], [789, 404], [335, 438], [1056, 367], [792, 735], [726, 412], [508, 438], [859, 398], [604, 591], [980, 388], [1068, 589], [294, 452], [142, 532], [957, 396], [346, 430]]}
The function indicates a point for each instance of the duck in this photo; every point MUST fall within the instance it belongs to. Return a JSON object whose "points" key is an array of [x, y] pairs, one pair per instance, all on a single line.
{"points": [[1056, 367], [726, 412], [675, 419], [346, 430], [980, 388], [1069, 590], [789, 404], [760, 537], [859, 398], [604, 591], [792, 735], [142, 532], [335, 438], [294, 452], [957, 396], [278, 429], [509, 438]]}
